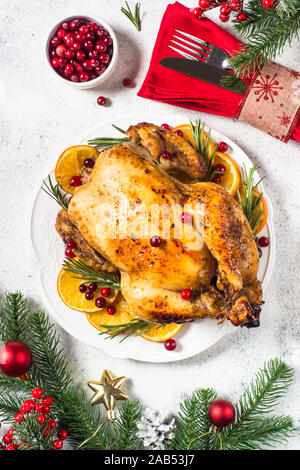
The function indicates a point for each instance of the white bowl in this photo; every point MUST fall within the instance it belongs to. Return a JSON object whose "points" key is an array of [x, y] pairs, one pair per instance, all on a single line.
{"points": [[102, 78]]}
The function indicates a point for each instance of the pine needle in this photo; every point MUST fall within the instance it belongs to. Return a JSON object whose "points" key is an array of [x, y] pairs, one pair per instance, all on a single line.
{"points": [[134, 17], [248, 199], [87, 274], [126, 426], [56, 194]]}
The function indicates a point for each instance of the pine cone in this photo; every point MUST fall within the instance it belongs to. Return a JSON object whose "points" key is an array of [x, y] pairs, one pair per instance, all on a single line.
{"points": [[154, 431]]}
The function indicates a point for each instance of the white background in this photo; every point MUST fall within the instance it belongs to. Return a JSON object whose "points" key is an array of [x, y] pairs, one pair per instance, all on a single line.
{"points": [[39, 115]]}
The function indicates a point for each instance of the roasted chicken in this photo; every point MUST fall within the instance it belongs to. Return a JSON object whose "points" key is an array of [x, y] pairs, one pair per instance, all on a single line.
{"points": [[215, 255]]}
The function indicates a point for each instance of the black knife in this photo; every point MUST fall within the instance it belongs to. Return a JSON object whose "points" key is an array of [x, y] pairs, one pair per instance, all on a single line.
{"points": [[205, 72]]}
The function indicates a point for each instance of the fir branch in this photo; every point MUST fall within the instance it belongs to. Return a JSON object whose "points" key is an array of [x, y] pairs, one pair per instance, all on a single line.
{"points": [[260, 397], [87, 274], [248, 199], [135, 327], [134, 17], [31, 432], [193, 425], [234, 83], [9, 406], [126, 425], [202, 141], [14, 311], [56, 194]]}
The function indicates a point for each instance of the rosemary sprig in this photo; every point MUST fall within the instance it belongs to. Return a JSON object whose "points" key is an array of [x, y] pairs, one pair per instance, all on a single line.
{"points": [[119, 129], [202, 143], [250, 201], [135, 327], [134, 17], [83, 271], [56, 194], [107, 142]]}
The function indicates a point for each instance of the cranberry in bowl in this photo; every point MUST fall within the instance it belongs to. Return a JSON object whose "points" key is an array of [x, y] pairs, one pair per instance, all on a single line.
{"points": [[82, 50]]}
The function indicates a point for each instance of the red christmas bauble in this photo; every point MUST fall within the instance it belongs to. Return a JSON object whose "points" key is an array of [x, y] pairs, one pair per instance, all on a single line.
{"points": [[221, 413], [15, 358]]}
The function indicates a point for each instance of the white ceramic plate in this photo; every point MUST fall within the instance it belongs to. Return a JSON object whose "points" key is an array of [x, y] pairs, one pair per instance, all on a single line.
{"points": [[47, 254]]}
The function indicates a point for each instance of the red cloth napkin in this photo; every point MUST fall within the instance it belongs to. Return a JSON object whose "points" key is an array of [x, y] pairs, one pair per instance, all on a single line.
{"points": [[174, 88]]}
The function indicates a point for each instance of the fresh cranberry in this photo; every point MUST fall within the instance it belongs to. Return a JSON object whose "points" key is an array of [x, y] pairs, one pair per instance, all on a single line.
{"points": [[101, 101], [127, 82], [100, 302], [61, 33], [69, 70], [92, 26], [111, 310], [84, 29], [219, 167], [80, 55], [69, 54], [170, 344], [93, 54], [100, 69], [197, 12], [61, 50], [166, 127], [69, 253], [75, 78], [260, 252], [52, 53], [88, 45], [216, 178], [55, 62], [82, 288], [87, 65], [89, 163], [71, 245], [90, 36], [186, 218], [55, 41], [178, 132], [57, 444], [92, 287], [101, 33], [222, 147], [264, 242], [166, 155], [104, 58], [76, 46], [65, 26], [78, 67], [155, 241], [37, 393], [105, 292], [62, 62], [63, 434], [94, 63], [186, 294], [69, 41], [74, 25], [75, 181], [79, 37], [100, 47], [108, 40], [89, 296]]}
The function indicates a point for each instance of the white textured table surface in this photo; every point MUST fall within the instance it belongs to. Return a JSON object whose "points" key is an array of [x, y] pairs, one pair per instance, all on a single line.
{"points": [[39, 115]]}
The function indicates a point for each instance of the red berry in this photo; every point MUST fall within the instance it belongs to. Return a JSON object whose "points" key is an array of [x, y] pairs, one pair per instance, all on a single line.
{"points": [[61, 33], [87, 65], [89, 296], [100, 302], [100, 69], [88, 45], [69, 41], [83, 77], [55, 62], [224, 18], [104, 58], [71, 244], [10, 432], [6, 439], [47, 401], [69, 253], [10, 447], [18, 417], [241, 16], [23, 409], [57, 444], [89, 163], [80, 55], [204, 4], [170, 344], [92, 287], [111, 310], [186, 218], [61, 50], [101, 100], [127, 82], [219, 167], [108, 40], [55, 41], [105, 292], [78, 67], [264, 242], [52, 423], [76, 46], [84, 29], [197, 12], [216, 179], [100, 47], [46, 409], [222, 146], [92, 26], [74, 78], [37, 393], [69, 69], [63, 434], [90, 36], [74, 25], [79, 37], [94, 63], [166, 155], [178, 132], [225, 10], [92, 54], [186, 294], [82, 288], [155, 241], [39, 407], [62, 62], [268, 4], [65, 26], [235, 5], [260, 252], [101, 33], [29, 405], [166, 127], [75, 180], [42, 419]]}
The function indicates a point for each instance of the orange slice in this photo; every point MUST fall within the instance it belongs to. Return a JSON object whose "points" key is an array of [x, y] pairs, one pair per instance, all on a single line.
{"points": [[263, 207], [121, 316], [70, 164], [68, 290], [231, 180], [188, 136], [159, 333]]}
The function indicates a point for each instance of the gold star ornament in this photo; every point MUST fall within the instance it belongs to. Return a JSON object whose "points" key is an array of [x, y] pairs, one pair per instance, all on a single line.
{"points": [[108, 391]]}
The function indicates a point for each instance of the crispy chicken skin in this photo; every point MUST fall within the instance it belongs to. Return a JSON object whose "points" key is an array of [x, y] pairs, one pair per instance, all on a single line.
{"points": [[221, 269]]}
